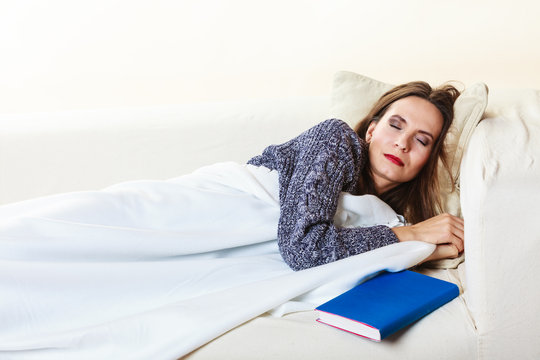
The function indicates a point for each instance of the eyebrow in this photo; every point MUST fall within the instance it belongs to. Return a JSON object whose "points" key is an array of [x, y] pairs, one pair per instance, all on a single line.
{"points": [[398, 117]]}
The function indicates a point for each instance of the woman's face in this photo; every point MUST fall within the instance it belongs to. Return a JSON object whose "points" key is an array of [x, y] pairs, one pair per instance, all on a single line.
{"points": [[402, 140]]}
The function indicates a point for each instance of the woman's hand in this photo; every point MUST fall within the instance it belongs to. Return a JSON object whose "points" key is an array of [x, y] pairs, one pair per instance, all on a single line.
{"points": [[445, 230]]}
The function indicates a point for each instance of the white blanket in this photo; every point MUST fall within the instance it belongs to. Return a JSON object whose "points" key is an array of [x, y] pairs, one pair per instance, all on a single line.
{"points": [[155, 269]]}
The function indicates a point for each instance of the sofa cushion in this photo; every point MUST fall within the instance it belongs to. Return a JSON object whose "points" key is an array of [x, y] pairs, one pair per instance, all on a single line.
{"points": [[447, 333]]}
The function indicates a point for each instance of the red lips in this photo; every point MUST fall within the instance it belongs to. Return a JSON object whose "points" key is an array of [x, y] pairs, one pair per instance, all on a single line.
{"points": [[394, 159]]}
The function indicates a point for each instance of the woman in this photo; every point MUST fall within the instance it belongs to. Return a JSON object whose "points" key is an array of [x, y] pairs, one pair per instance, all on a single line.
{"points": [[89, 274], [393, 154]]}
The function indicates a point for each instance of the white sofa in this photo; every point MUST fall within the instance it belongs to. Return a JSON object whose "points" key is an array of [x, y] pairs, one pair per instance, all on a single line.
{"points": [[495, 317]]}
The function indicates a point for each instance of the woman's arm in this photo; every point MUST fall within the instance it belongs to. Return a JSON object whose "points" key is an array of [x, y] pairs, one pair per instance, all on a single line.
{"points": [[328, 160]]}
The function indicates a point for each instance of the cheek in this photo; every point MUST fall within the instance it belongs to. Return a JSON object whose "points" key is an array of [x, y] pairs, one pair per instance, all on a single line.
{"points": [[382, 135], [420, 160]]}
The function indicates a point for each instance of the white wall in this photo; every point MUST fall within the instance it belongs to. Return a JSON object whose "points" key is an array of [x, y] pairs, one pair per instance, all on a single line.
{"points": [[68, 54]]}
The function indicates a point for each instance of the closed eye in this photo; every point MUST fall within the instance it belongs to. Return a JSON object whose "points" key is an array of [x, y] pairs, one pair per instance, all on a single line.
{"points": [[422, 141]]}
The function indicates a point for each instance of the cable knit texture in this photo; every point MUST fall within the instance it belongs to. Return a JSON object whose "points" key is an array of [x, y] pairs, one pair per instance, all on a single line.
{"points": [[314, 168]]}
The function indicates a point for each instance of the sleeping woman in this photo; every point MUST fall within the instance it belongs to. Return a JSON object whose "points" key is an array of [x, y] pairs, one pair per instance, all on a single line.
{"points": [[88, 274], [394, 154]]}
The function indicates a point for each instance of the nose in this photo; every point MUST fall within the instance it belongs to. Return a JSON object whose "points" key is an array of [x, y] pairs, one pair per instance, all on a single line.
{"points": [[402, 143]]}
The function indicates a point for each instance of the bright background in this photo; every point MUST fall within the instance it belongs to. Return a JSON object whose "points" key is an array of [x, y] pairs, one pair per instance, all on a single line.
{"points": [[68, 54]]}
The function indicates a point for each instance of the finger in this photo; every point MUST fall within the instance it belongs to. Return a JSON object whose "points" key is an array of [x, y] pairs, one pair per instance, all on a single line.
{"points": [[459, 220], [446, 251], [459, 224], [455, 221], [458, 237], [459, 244], [454, 240], [455, 231], [450, 251], [451, 234]]}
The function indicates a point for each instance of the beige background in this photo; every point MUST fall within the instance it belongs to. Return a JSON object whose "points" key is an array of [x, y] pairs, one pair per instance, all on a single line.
{"points": [[66, 54]]}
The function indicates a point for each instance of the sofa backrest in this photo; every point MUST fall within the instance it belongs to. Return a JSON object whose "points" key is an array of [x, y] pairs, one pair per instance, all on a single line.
{"points": [[47, 153]]}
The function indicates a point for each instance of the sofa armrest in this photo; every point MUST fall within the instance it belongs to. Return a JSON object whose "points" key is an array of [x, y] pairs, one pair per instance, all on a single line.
{"points": [[500, 198]]}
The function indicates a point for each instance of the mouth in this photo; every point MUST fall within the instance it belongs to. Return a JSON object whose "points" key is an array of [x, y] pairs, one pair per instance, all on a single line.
{"points": [[394, 159]]}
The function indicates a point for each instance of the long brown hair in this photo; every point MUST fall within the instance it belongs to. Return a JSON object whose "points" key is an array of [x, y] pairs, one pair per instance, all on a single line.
{"points": [[419, 198]]}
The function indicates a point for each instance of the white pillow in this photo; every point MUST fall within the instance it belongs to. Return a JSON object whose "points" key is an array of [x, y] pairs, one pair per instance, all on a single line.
{"points": [[353, 95]]}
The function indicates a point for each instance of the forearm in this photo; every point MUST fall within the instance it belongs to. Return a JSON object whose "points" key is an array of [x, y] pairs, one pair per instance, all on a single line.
{"points": [[405, 233], [325, 243]]}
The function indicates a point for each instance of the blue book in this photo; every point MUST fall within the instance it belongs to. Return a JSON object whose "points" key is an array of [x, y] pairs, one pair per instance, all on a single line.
{"points": [[386, 303]]}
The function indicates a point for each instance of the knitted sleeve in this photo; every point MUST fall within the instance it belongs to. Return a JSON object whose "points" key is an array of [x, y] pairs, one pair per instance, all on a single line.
{"points": [[328, 160]]}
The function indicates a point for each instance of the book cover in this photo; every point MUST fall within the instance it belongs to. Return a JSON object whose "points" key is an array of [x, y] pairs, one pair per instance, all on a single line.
{"points": [[386, 303]]}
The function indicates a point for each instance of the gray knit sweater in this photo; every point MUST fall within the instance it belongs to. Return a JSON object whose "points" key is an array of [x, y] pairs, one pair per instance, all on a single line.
{"points": [[313, 169]]}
